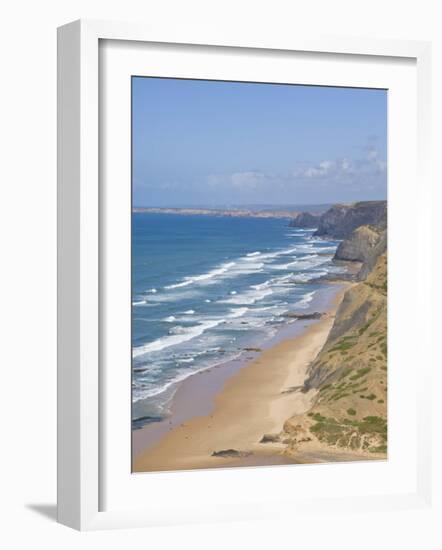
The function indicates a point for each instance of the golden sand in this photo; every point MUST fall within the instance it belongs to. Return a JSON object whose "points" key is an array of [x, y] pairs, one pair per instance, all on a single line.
{"points": [[256, 400]]}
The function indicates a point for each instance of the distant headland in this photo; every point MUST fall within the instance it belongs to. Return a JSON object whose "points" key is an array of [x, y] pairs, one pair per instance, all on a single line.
{"points": [[240, 212]]}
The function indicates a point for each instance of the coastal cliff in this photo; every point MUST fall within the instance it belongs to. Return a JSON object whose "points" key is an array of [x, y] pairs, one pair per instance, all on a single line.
{"points": [[305, 220], [360, 245], [349, 375], [341, 220]]}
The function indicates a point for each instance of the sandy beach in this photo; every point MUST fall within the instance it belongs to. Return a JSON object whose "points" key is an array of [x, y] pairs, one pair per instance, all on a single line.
{"points": [[239, 409]]}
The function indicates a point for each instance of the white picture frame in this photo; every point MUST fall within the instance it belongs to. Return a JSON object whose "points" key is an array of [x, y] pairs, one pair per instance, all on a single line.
{"points": [[80, 437]]}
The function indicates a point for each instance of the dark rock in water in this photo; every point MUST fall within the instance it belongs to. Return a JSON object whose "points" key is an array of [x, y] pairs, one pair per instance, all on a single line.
{"points": [[304, 316], [342, 219], [305, 219], [270, 438], [256, 350], [357, 247], [229, 453]]}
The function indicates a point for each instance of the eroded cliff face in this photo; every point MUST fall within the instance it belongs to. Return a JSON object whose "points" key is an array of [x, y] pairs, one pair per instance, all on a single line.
{"points": [[341, 220], [358, 246], [349, 411], [305, 220]]}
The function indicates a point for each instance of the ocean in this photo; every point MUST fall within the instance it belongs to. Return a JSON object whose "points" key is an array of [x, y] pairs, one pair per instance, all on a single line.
{"points": [[206, 289]]}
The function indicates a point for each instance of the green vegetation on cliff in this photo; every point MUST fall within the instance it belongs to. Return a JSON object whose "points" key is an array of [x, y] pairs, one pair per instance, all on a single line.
{"points": [[349, 411]]}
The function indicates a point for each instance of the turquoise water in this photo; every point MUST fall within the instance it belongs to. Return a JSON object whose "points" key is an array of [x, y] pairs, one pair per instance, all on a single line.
{"points": [[204, 288]]}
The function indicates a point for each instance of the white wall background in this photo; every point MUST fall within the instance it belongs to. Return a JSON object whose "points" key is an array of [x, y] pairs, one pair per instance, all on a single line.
{"points": [[28, 259]]}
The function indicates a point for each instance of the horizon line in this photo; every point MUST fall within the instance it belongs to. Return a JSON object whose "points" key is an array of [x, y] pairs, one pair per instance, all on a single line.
{"points": [[249, 206]]}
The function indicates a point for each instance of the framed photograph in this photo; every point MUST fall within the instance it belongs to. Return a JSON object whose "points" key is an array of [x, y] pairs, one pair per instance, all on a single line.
{"points": [[232, 271]]}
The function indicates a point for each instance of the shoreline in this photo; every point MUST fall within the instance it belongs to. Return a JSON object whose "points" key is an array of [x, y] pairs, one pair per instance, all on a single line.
{"points": [[263, 213], [231, 406]]}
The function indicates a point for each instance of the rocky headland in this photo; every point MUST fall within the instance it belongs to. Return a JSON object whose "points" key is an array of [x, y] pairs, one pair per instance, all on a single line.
{"points": [[305, 220], [340, 220], [234, 212]]}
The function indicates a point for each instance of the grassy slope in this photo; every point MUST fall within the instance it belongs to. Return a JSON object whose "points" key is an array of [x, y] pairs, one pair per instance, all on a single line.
{"points": [[350, 374]]}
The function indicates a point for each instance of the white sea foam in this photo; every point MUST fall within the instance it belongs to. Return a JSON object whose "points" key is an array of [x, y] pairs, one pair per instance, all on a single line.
{"points": [[282, 278], [238, 312], [306, 299], [309, 257], [306, 277], [277, 309], [247, 268], [178, 329], [296, 233], [284, 266], [170, 319], [186, 334], [269, 256], [274, 281], [328, 249], [164, 297], [178, 285], [179, 377], [189, 312], [241, 266], [260, 286], [311, 262], [178, 335], [213, 273], [248, 297], [139, 303], [300, 262], [203, 277]]}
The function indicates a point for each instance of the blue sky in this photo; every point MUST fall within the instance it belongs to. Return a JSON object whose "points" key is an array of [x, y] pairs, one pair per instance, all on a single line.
{"points": [[210, 143]]}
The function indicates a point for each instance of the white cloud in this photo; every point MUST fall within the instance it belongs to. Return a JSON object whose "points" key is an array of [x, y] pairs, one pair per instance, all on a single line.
{"points": [[372, 154], [322, 169], [354, 175], [346, 165], [247, 180], [328, 169], [250, 180], [345, 170]]}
